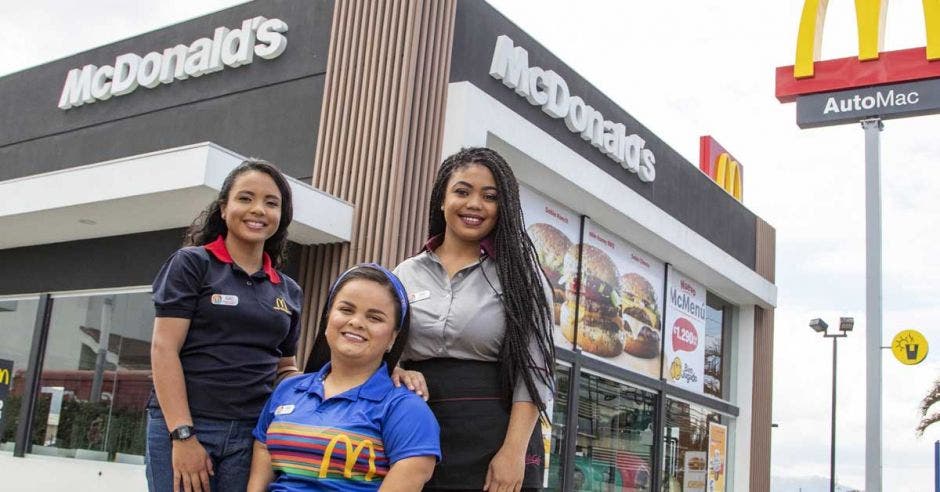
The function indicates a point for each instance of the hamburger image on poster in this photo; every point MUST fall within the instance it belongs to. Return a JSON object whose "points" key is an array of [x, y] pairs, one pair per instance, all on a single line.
{"points": [[618, 318], [552, 229], [685, 318]]}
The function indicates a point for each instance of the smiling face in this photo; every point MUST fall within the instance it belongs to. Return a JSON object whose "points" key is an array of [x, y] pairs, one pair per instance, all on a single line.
{"points": [[470, 204], [252, 212], [361, 323]]}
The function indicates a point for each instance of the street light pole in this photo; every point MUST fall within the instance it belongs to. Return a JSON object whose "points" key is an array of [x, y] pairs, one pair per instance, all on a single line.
{"points": [[832, 440], [845, 326]]}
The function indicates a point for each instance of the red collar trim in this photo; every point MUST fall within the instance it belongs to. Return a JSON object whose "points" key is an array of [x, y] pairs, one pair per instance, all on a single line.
{"points": [[486, 245], [218, 249]]}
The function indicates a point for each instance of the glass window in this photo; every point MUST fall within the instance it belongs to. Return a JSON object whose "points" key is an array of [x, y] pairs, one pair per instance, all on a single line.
{"points": [[685, 446], [96, 378], [615, 436], [17, 321], [556, 458], [716, 320]]}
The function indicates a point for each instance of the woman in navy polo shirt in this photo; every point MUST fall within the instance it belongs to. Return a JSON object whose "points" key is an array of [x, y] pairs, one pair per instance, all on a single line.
{"points": [[226, 327], [345, 426], [481, 328]]}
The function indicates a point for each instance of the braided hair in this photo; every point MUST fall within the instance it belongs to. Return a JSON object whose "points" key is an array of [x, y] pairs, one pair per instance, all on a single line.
{"points": [[527, 311], [209, 224]]}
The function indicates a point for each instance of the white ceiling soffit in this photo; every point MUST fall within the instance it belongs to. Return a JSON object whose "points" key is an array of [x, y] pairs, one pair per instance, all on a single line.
{"points": [[148, 192]]}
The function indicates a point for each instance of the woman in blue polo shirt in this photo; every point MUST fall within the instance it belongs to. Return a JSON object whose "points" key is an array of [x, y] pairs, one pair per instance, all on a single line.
{"points": [[226, 326], [345, 426]]}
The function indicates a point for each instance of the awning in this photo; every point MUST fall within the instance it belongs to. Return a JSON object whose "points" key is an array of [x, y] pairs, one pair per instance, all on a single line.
{"points": [[148, 192]]}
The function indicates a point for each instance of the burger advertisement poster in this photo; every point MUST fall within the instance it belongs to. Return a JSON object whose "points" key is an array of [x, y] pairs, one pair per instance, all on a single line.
{"points": [[619, 310], [684, 363], [554, 231]]}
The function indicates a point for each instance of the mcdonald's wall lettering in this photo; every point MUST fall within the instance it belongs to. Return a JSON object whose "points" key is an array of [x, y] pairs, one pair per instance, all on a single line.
{"points": [[808, 75], [6, 380], [721, 167]]}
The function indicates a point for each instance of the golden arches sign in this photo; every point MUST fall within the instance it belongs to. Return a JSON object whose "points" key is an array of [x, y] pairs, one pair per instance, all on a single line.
{"points": [[870, 19], [728, 175], [5, 376], [352, 454]]}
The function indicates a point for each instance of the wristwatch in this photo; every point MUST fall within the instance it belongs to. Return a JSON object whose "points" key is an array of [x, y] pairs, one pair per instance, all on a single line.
{"points": [[182, 433]]}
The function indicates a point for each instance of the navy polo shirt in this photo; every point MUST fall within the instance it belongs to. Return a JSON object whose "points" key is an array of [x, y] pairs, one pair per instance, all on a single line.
{"points": [[347, 442], [241, 325]]}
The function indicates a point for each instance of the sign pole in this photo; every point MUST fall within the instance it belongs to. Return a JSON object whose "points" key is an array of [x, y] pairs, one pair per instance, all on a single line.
{"points": [[873, 295]]}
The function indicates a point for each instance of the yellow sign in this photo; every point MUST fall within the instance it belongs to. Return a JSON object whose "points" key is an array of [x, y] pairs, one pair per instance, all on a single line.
{"points": [[909, 347], [728, 176], [717, 457], [870, 19], [5, 376]]}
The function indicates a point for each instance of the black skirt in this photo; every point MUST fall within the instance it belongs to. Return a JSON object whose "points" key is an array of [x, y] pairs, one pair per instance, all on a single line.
{"points": [[473, 420]]}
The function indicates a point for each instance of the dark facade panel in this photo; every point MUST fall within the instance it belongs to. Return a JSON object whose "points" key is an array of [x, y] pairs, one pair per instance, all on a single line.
{"points": [[30, 98], [680, 189], [107, 262], [277, 122]]}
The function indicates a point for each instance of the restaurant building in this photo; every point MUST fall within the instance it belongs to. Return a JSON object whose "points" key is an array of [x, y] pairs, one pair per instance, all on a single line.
{"points": [[106, 157]]}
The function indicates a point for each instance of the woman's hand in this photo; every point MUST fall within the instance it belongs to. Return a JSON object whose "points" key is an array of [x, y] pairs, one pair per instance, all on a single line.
{"points": [[191, 466], [413, 380], [506, 470]]}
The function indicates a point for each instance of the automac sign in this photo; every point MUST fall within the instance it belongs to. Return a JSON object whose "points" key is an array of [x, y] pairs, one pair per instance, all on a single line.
{"points": [[878, 84], [231, 48], [547, 89]]}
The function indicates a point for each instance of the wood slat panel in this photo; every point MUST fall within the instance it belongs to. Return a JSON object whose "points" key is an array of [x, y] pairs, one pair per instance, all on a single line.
{"points": [[765, 264], [762, 405], [379, 141]]}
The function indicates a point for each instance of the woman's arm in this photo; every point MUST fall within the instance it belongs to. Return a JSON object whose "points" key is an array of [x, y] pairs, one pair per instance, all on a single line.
{"points": [[507, 468], [261, 473], [409, 474], [191, 464], [286, 367]]}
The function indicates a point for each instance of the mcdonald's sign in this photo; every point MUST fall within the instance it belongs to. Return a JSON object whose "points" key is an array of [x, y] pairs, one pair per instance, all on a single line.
{"points": [[721, 167], [352, 455], [808, 75]]}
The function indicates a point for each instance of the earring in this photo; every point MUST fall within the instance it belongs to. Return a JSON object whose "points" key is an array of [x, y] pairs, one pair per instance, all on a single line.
{"points": [[388, 350]]}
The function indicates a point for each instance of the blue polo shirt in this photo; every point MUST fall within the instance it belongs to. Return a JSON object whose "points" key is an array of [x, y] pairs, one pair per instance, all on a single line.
{"points": [[241, 325], [347, 442]]}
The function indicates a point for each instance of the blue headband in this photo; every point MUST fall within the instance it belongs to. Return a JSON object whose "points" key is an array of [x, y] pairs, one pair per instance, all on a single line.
{"points": [[397, 286]]}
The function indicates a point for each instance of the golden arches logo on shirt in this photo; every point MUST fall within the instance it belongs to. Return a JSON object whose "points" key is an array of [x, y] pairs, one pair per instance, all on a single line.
{"points": [[352, 455], [281, 305]]}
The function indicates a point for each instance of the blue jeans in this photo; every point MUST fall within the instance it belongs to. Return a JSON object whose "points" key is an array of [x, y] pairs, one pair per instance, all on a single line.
{"points": [[228, 442]]}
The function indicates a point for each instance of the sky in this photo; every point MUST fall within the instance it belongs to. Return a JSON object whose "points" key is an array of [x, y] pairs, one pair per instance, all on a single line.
{"points": [[686, 69]]}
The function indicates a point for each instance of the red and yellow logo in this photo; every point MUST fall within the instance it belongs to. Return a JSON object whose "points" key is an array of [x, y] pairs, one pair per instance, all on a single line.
{"points": [[721, 167], [872, 67]]}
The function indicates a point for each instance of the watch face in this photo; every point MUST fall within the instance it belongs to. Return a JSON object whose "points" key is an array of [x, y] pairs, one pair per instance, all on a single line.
{"points": [[182, 432]]}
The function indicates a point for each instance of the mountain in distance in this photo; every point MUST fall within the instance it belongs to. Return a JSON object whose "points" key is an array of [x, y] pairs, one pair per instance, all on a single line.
{"points": [[806, 484]]}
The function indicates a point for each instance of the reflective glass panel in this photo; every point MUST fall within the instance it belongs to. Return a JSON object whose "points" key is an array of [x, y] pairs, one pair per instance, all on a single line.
{"points": [[96, 378], [685, 446], [615, 436], [17, 321]]}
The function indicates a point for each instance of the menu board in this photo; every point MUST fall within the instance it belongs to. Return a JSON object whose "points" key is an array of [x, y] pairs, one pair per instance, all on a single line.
{"points": [[619, 319], [554, 231], [694, 476], [684, 362]]}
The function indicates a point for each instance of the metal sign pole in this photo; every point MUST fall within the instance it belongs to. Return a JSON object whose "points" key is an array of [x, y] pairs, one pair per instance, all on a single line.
{"points": [[873, 297]]}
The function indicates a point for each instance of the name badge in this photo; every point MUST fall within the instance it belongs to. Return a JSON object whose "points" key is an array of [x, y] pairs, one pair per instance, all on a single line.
{"points": [[419, 296], [224, 300], [284, 410]]}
